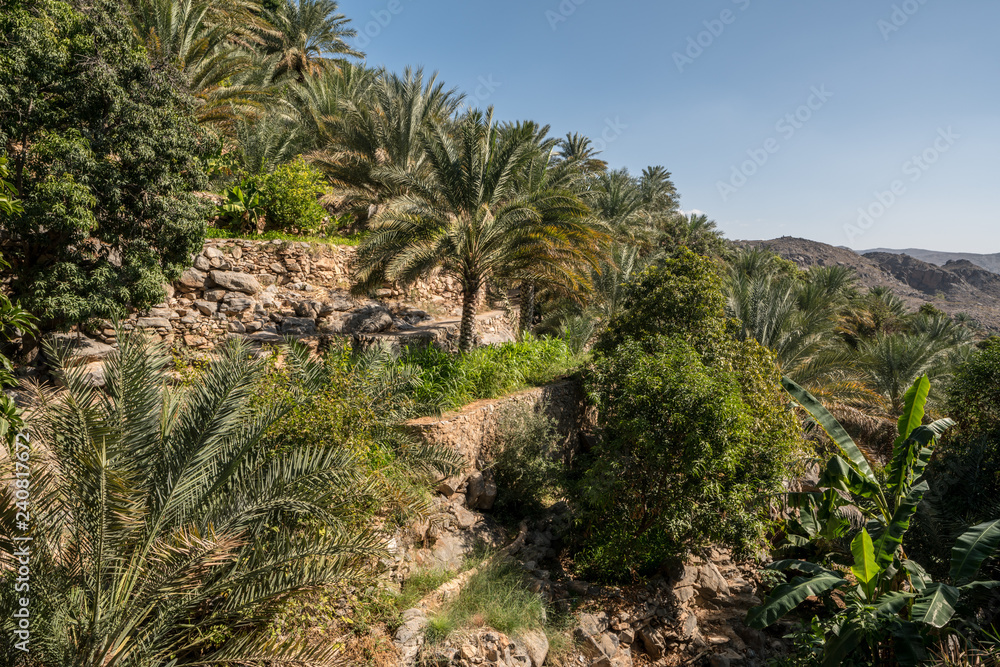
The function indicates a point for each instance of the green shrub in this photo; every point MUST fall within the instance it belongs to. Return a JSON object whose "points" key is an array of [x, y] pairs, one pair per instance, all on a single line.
{"points": [[290, 198], [695, 435], [526, 463]]}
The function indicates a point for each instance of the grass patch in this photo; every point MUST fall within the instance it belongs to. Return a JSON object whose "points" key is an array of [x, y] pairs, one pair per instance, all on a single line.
{"points": [[216, 233], [419, 584], [448, 381], [495, 597]]}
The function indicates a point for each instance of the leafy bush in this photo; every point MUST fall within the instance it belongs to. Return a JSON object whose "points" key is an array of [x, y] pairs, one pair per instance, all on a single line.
{"points": [[104, 158], [526, 465], [695, 437], [449, 381], [290, 198]]}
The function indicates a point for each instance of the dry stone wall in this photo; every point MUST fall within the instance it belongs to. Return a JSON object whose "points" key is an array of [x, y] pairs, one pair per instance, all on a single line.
{"points": [[268, 289]]}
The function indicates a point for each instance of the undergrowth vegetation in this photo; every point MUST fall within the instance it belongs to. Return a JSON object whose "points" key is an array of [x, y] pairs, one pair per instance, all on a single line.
{"points": [[447, 381]]}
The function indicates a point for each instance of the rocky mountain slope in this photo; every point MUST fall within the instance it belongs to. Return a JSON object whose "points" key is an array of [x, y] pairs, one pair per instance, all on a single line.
{"points": [[988, 262], [957, 286]]}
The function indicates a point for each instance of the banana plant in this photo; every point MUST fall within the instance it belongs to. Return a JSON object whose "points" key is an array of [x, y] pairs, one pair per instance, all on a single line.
{"points": [[849, 479], [882, 589], [243, 208]]}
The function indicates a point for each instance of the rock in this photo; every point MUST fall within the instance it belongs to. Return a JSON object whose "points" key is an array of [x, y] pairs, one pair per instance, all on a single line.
{"points": [[192, 340], [298, 326], [653, 642], [589, 624], [193, 278], [450, 486], [475, 486], [689, 629], [535, 645], [340, 301], [206, 307], [237, 253], [212, 253], [578, 588], [626, 636], [153, 323], [215, 294], [465, 518], [235, 281], [168, 289], [235, 302], [489, 494], [468, 652], [235, 326], [80, 349], [369, 320], [93, 374], [711, 583], [201, 263]]}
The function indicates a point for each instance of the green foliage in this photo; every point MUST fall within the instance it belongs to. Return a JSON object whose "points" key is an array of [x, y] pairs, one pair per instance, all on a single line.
{"points": [[694, 433], [160, 519], [290, 198], [335, 239], [103, 155], [448, 381], [13, 320], [896, 610], [242, 210], [526, 463]]}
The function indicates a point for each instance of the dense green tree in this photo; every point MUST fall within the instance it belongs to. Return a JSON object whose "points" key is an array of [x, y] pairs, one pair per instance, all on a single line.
{"points": [[104, 158], [13, 320], [695, 435]]}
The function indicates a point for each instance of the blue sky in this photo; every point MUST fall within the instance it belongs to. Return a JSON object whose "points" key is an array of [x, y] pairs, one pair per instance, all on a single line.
{"points": [[781, 117]]}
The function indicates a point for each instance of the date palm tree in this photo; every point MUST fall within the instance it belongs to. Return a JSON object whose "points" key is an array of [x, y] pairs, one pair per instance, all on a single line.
{"points": [[164, 531], [373, 134], [212, 45], [309, 36], [467, 216]]}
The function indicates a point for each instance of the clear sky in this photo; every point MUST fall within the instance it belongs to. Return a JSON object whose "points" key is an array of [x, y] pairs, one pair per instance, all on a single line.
{"points": [[904, 121]]}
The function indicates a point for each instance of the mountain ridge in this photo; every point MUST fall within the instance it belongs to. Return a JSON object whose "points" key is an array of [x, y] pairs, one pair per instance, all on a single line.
{"points": [[990, 262], [958, 285]]}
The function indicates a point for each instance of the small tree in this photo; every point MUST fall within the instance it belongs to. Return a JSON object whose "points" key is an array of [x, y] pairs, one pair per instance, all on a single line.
{"points": [[103, 157], [694, 434]]}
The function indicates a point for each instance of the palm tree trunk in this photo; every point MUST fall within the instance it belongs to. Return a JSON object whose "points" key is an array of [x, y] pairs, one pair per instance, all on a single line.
{"points": [[527, 315], [467, 337]]}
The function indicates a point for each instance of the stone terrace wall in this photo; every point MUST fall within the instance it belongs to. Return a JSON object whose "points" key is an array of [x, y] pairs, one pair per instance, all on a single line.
{"points": [[473, 430], [272, 288]]}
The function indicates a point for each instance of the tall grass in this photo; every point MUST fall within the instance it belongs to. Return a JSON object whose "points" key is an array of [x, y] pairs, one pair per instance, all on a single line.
{"points": [[448, 381], [494, 597]]}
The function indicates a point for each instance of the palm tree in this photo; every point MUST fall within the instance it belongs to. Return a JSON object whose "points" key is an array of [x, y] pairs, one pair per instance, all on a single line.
{"points": [[466, 215], [163, 531], [308, 38], [890, 363], [579, 149], [372, 135], [211, 44]]}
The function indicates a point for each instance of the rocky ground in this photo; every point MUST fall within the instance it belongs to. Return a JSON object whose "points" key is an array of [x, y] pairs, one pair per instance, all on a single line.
{"points": [[959, 286], [694, 617]]}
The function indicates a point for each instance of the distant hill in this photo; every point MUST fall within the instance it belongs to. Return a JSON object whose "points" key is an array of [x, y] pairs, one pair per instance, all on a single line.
{"points": [[958, 285], [988, 262]]}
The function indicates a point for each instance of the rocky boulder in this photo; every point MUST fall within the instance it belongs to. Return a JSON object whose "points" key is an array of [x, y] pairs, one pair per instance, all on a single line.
{"points": [[235, 281]]}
